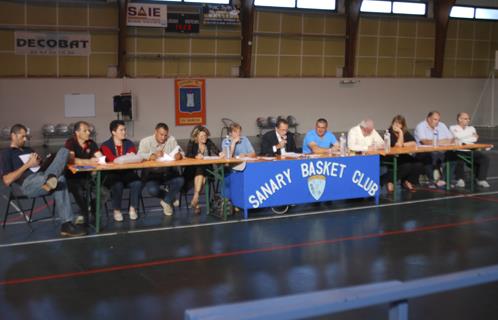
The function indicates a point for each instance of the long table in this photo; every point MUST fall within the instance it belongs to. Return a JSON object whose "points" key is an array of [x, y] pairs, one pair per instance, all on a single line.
{"points": [[305, 180], [217, 172], [468, 158]]}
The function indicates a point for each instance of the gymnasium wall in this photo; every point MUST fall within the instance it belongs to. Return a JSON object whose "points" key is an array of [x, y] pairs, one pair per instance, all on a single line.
{"points": [[285, 44], [35, 102]]}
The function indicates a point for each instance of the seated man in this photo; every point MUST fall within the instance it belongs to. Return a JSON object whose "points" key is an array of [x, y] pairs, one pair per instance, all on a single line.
{"points": [[152, 148], [116, 146], [319, 140], [278, 142], [36, 181], [83, 151], [427, 132], [240, 146], [466, 134], [364, 137]]}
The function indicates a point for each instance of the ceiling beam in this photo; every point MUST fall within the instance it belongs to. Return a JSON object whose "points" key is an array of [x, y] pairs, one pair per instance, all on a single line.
{"points": [[247, 26], [123, 30], [352, 9], [442, 10]]}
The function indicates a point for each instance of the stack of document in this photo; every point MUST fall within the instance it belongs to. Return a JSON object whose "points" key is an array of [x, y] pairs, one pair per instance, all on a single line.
{"points": [[169, 156]]}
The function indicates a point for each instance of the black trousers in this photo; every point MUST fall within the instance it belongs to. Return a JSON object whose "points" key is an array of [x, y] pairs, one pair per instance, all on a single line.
{"points": [[481, 165], [435, 160], [80, 188], [408, 169]]}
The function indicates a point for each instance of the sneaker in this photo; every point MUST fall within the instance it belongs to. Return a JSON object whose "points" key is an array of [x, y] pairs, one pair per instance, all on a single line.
{"points": [[436, 174], [167, 209], [460, 183], [176, 203], [440, 183], [50, 184], [118, 216], [68, 229], [483, 183], [133, 214], [79, 219]]}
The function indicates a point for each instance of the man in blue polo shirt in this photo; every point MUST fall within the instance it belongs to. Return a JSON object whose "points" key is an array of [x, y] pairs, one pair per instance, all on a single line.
{"points": [[429, 132], [319, 140]]}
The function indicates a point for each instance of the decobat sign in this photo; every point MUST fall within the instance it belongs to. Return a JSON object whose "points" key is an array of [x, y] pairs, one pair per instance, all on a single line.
{"points": [[283, 182], [147, 15], [52, 43]]}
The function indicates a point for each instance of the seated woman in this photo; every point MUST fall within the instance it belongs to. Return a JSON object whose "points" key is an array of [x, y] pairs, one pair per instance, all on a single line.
{"points": [[409, 169], [198, 147], [116, 180]]}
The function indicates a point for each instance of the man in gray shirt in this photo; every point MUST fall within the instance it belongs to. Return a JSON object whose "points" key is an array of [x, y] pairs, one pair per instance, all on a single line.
{"points": [[153, 148]]}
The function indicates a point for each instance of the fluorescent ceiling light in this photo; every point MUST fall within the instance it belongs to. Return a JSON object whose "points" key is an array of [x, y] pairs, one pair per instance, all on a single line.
{"points": [[208, 1], [490, 14], [462, 12], [316, 4], [276, 3], [376, 6], [409, 8]]}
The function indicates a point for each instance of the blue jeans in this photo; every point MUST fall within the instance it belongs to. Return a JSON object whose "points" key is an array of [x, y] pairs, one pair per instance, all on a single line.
{"points": [[174, 184], [32, 185], [117, 181]]}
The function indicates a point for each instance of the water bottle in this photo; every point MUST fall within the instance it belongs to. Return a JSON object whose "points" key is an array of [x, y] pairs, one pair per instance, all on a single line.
{"points": [[226, 148], [387, 141], [435, 138], [342, 145]]}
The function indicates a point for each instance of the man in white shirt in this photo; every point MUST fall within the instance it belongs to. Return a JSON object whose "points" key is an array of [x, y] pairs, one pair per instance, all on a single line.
{"points": [[364, 137], [153, 148], [466, 134]]}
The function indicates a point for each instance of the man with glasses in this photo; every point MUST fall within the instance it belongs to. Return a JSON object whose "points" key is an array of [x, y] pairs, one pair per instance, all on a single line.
{"points": [[320, 140], [278, 142], [465, 134]]}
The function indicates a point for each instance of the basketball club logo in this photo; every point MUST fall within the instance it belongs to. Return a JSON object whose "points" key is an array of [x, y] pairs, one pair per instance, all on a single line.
{"points": [[316, 186]]}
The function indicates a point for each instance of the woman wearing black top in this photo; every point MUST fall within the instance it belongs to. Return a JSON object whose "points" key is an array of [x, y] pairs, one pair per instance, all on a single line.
{"points": [[409, 169], [198, 147]]}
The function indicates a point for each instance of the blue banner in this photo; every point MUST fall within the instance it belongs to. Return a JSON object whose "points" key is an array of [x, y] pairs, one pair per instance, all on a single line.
{"points": [[283, 182]]}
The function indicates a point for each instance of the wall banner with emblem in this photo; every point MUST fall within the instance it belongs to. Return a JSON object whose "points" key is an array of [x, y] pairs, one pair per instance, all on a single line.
{"points": [[190, 102], [52, 43]]}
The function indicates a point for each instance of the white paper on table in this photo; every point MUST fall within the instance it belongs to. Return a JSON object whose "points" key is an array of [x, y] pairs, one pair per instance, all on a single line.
{"points": [[246, 158], [266, 158], [291, 155], [170, 156], [211, 157], [24, 158], [313, 155]]}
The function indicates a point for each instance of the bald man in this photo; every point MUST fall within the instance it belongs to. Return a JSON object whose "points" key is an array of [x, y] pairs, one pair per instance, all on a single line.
{"points": [[466, 134], [364, 136]]}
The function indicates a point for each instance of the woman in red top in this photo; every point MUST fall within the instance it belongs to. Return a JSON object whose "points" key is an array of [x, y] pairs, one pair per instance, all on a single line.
{"points": [[115, 147]]}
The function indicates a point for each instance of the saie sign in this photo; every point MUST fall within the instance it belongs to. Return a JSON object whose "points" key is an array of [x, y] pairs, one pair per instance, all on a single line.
{"points": [[147, 15], [52, 43]]}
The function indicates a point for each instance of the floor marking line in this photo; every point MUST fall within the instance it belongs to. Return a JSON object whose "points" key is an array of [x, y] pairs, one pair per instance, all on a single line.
{"points": [[242, 252], [209, 224]]}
